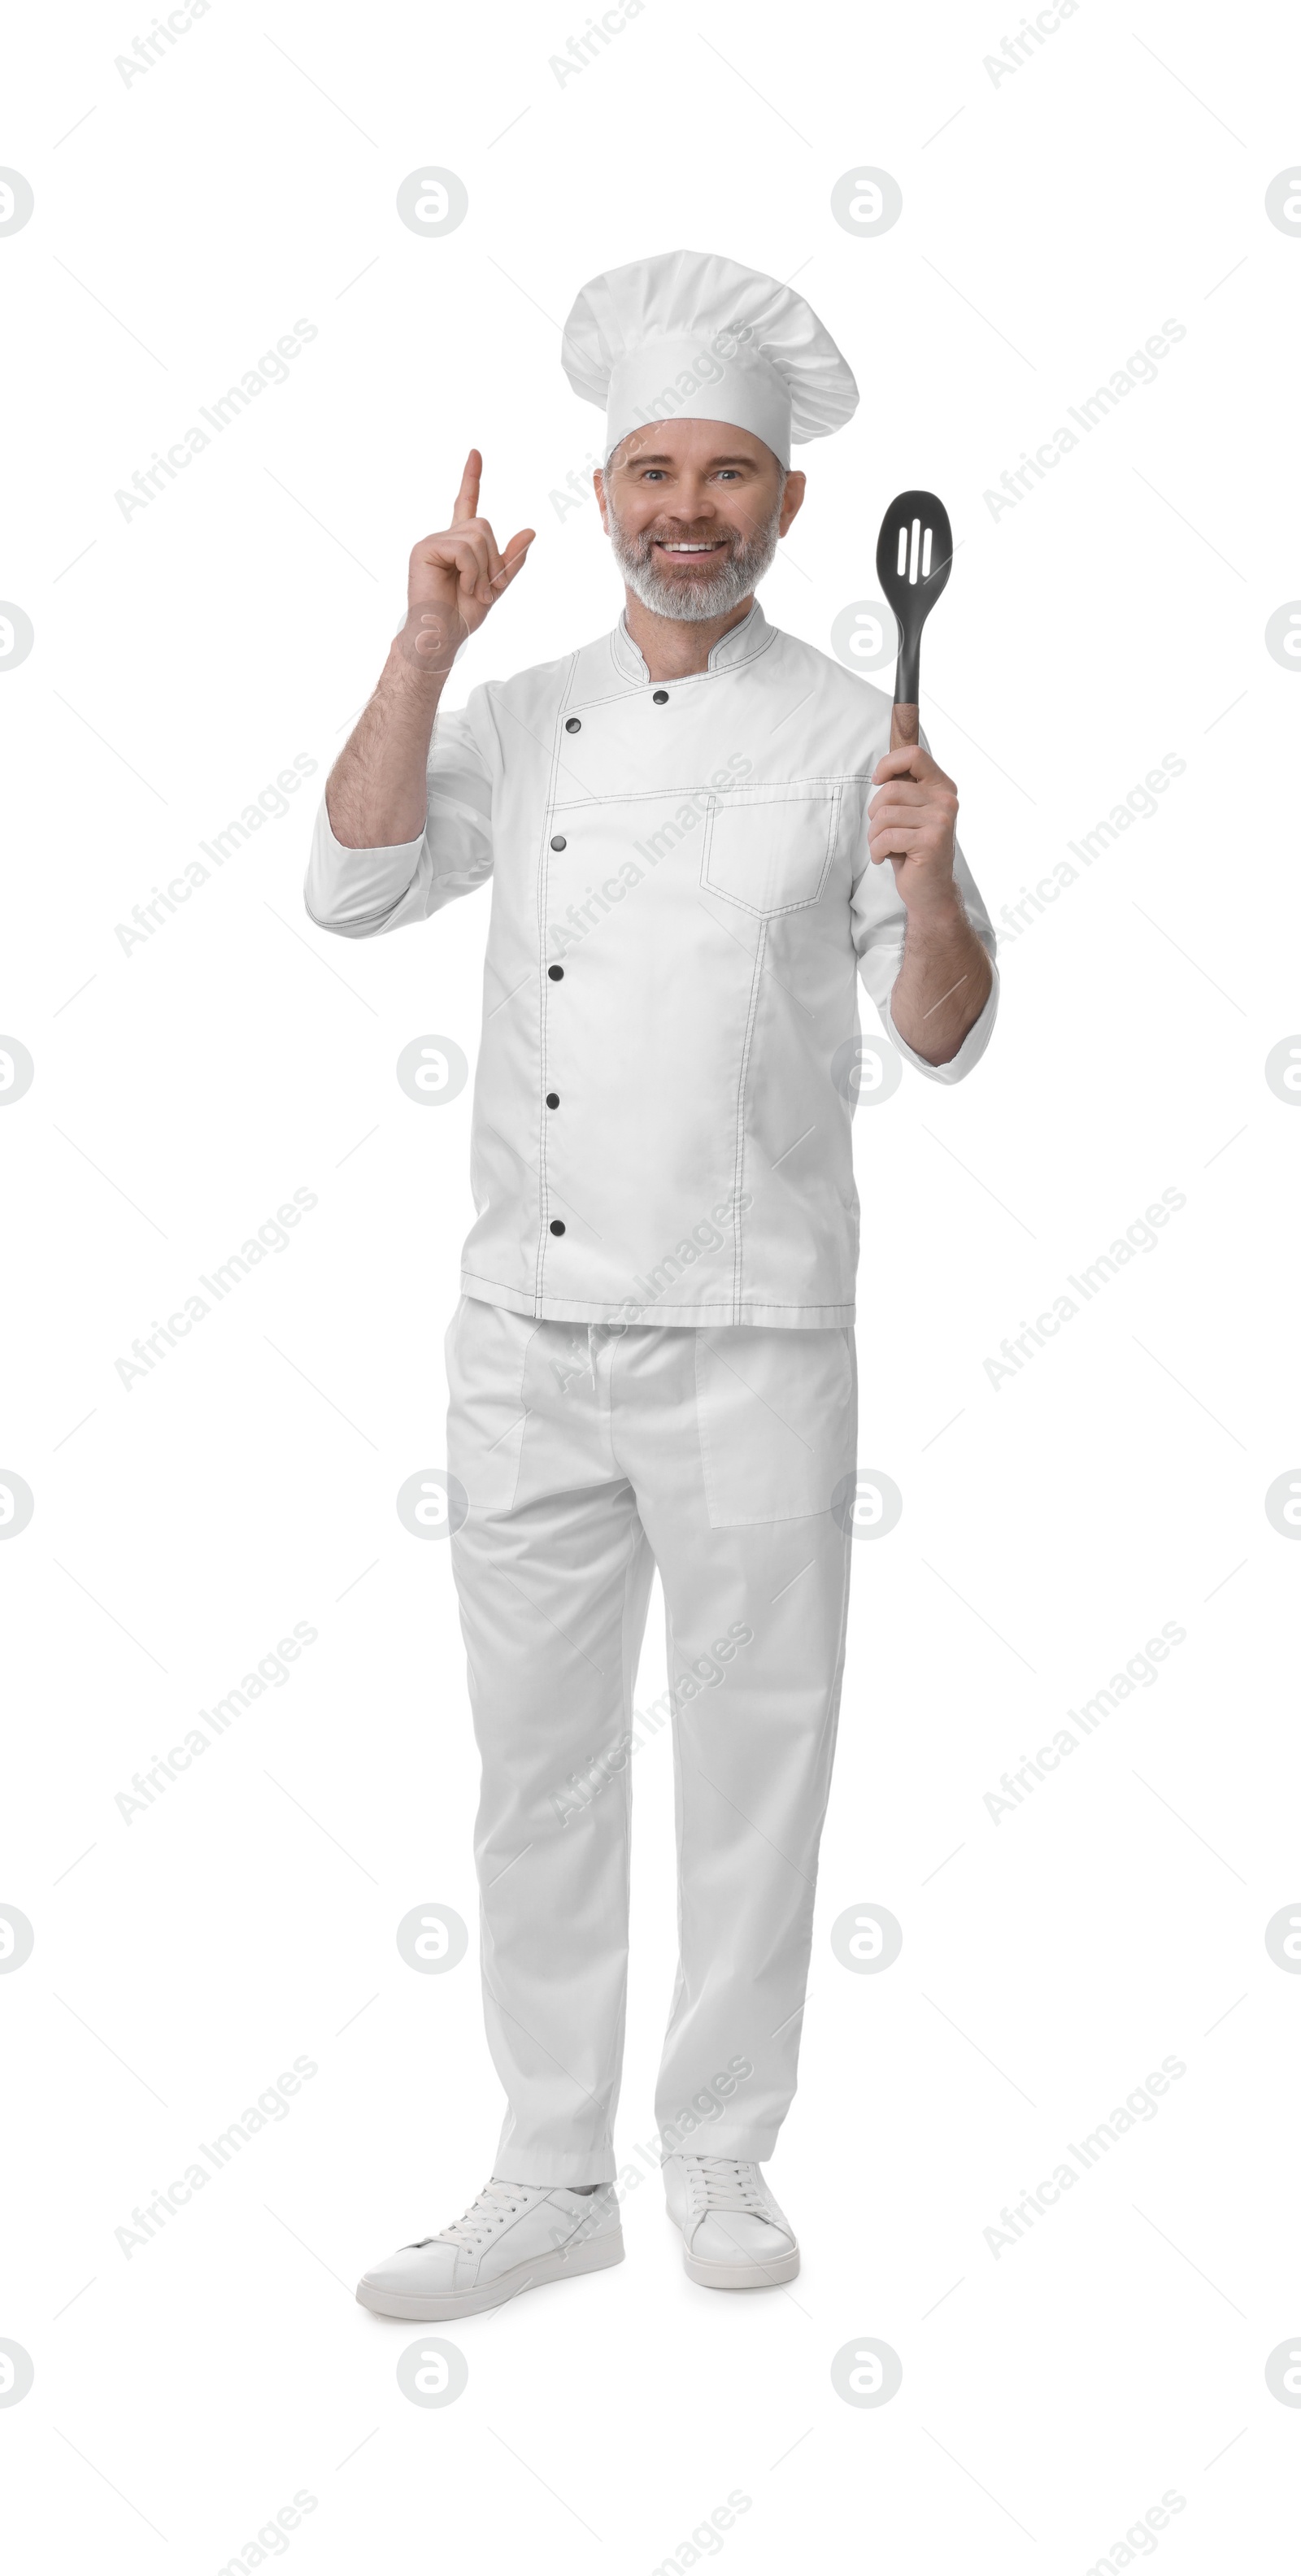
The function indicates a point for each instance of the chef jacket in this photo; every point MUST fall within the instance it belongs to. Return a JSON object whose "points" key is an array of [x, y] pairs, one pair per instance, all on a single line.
{"points": [[682, 900]]}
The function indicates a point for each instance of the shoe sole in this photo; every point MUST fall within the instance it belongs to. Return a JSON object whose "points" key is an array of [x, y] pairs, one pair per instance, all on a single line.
{"points": [[737, 2276], [437, 2307]]}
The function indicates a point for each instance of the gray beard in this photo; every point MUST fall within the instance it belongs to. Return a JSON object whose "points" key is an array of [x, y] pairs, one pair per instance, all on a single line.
{"points": [[691, 600]]}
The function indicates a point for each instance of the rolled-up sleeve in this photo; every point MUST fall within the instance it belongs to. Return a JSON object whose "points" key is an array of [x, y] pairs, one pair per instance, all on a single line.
{"points": [[880, 921], [359, 893]]}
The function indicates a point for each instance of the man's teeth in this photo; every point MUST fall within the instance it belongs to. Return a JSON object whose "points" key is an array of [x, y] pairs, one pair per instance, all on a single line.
{"points": [[666, 548]]}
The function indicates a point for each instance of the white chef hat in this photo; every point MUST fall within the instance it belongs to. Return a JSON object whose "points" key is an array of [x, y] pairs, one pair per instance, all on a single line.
{"points": [[692, 336]]}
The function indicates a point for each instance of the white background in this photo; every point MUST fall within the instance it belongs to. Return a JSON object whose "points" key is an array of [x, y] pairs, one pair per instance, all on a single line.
{"points": [[1052, 220]]}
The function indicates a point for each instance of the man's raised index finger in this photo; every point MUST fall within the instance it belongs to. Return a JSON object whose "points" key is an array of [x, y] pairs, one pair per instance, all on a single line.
{"points": [[466, 504]]}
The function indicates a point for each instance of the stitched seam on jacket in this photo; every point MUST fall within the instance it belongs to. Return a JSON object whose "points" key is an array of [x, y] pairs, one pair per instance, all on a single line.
{"points": [[738, 1256], [741, 791], [610, 1310]]}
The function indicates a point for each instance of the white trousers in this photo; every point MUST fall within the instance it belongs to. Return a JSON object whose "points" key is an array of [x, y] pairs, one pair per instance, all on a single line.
{"points": [[589, 1456]]}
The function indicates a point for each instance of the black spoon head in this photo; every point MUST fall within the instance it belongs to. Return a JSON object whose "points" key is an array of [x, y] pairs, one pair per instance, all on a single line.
{"points": [[913, 555]]}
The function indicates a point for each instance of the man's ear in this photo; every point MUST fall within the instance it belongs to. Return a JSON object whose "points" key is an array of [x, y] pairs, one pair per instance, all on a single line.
{"points": [[598, 486], [791, 499]]}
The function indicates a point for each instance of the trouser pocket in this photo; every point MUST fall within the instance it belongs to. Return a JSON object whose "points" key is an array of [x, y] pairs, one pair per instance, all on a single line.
{"points": [[776, 1413], [486, 1350]]}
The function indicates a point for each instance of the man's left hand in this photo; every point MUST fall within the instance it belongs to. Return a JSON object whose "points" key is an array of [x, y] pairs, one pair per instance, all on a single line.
{"points": [[912, 819], [945, 978]]}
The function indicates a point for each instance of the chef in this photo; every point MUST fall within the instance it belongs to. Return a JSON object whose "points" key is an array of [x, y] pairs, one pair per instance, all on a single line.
{"points": [[698, 839]]}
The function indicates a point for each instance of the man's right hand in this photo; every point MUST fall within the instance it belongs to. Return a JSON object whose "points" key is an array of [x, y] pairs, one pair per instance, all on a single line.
{"points": [[455, 577], [375, 795]]}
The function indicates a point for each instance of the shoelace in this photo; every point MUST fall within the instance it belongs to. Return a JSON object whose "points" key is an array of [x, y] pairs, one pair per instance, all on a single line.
{"points": [[495, 2203], [724, 2182]]}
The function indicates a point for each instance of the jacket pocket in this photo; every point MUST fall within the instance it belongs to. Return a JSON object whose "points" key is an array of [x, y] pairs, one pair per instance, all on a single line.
{"points": [[769, 849]]}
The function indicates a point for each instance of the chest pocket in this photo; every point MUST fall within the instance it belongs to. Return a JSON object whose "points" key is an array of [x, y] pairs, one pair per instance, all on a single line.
{"points": [[769, 849]]}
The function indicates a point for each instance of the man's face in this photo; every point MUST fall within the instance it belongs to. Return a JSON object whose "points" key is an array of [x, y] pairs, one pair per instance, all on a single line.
{"points": [[694, 510]]}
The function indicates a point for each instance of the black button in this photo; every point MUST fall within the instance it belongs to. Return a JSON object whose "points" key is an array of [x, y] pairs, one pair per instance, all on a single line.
{"points": [[559, 841], [556, 1226], [555, 972], [573, 725], [553, 1100], [661, 698]]}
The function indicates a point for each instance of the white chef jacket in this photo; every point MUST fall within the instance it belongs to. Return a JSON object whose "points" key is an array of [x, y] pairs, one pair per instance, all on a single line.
{"points": [[682, 894]]}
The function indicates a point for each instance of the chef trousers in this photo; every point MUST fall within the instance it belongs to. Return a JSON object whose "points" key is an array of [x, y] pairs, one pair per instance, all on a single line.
{"points": [[588, 1456]]}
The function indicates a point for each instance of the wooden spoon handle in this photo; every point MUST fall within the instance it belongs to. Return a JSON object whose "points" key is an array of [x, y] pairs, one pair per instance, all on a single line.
{"points": [[904, 725]]}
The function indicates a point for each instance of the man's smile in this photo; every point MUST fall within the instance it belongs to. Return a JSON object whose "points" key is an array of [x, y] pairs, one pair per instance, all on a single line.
{"points": [[696, 552]]}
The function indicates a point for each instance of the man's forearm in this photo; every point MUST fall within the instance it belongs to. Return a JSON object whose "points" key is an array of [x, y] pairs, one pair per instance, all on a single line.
{"points": [[375, 794], [943, 984]]}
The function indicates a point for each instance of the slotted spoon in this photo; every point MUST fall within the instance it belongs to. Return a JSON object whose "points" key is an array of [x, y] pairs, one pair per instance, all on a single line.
{"points": [[914, 553]]}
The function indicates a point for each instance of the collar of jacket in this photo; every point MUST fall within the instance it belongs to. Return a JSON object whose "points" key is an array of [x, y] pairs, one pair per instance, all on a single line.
{"points": [[740, 644]]}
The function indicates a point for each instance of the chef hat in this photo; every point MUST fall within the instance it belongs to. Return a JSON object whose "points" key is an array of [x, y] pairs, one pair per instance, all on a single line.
{"points": [[691, 336]]}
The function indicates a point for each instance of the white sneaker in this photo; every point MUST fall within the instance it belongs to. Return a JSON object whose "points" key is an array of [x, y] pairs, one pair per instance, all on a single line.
{"points": [[515, 2236], [734, 2236]]}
